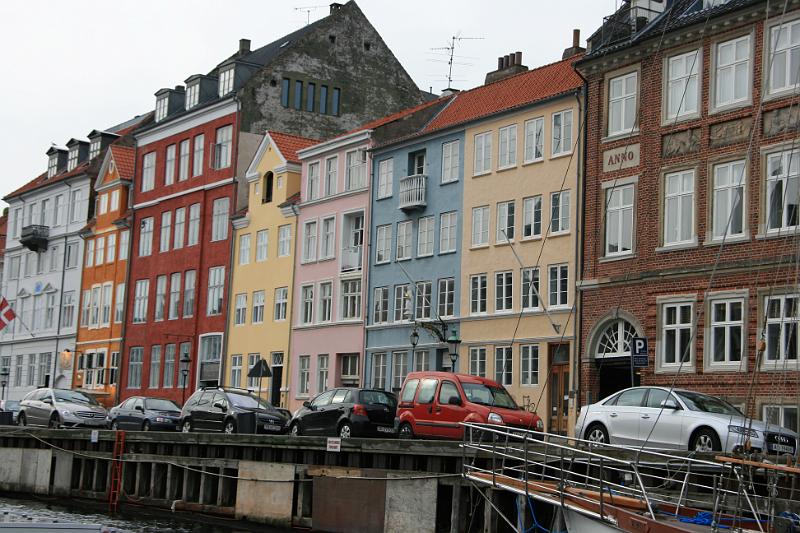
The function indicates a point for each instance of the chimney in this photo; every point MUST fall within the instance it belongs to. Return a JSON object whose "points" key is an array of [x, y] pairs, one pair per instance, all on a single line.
{"points": [[576, 45], [507, 65], [244, 46], [336, 6]]}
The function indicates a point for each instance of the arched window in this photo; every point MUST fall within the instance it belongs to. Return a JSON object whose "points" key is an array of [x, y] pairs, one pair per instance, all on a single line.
{"points": [[616, 339], [267, 188]]}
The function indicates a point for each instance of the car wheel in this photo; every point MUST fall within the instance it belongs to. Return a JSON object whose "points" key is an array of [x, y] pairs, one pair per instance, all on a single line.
{"points": [[230, 427], [294, 430], [405, 431], [345, 431], [146, 425], [186, 427], [54, 422], [115, 425], [705, 440], [21, 420], [597, 434]]}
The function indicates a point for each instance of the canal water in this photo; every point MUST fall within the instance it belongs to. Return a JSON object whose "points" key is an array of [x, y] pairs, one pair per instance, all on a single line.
{"points": [[130, 519]]}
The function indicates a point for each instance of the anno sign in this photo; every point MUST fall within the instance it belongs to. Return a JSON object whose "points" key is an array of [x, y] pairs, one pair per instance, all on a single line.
{"points": [[620, 158]]}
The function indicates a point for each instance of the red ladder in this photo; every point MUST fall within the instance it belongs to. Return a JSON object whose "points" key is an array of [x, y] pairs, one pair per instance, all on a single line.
{"points": [[116, 472]]}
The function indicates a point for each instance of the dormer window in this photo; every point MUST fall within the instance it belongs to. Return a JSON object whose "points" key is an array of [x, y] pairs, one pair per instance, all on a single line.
{"points": [[225, 81], [161, 108], [72, 159], [94, 148], [192, 95], [52, 166]]}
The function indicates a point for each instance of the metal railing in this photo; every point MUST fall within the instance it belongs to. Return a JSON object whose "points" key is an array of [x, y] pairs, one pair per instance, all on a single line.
{"points": [[351, 259], [412, 191]]}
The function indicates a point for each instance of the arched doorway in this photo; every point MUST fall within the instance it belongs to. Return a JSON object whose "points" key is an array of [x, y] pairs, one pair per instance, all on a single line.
{"points": [[612, 356]]}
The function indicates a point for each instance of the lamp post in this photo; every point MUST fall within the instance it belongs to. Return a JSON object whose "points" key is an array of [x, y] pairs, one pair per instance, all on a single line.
{"points": [[440, 331], [3, 382], [453, 341], [184, 362]]}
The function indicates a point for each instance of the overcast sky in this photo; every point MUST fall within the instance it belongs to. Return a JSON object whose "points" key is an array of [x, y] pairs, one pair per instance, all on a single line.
{"points": [[71, 67]]}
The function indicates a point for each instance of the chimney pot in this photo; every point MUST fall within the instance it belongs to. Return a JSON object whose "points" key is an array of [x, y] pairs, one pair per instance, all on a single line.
{"points": [[335, 7], [500, 63], [244, 46], [518, 58], [576, 38], [511, 59], [180, 88], [506, 61]]}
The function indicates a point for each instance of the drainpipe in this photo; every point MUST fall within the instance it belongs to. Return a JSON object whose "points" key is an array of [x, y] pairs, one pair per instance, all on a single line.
{"points": [[582, 99]]}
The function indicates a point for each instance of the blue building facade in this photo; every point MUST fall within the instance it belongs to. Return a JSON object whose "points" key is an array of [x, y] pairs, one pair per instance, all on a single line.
{"points": [[415, 257]]}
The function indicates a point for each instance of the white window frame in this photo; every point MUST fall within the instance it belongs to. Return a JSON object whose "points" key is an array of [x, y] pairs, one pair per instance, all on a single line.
{"points": [[262, 245], [787, 327], [405, 237], [534, 140], [529, 365], [716, 104], [532, 217], [557, 274], [506, 222], [165, 237], [402, 303], [781, 54], [725, 327], [618, 212], [148, 171], [169, 165], [531, 277], [259, 303], [325, 302], [284, 240], [145, 237], [736, 179], [503, 292], [215, 300], [445, 297], [448, 226], [478, 294], [480, 226], [422, 309], [451, 156], [477, 361], [507, 147], [312, 181], [685, 83], [678, 326], [559, 220], [786, 159], [383, 244], [380, 305], [310, 241], [350, 296], [281, 303], [483, 154], [561, 135], [504, 365], [307, 304], [240, 309], [678, 198], [623, 99], [219, 219], [385, 178], [426, 228]]}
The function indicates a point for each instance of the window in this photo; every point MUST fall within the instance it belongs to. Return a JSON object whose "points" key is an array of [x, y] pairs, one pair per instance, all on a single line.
{"points": [[328, 238], [383, 244], [50, 308], [503, 291], [477, 362], [100, 254], [297, 100], [105, 314], [111, 250], [532, 217], [303, 375], [559, 214], [124, 244], [148, 172], [119, 303], [622, 104], [102, 205], [381, 305], [145, 237], [323, 99], [216, 280], [114, 201], [507, 156], [477, 297], [257, 316], [161, 297], [421, 362], [18, 371], [325, 301], [616, 340], [356, 177], [192, 95], [559, 286], [13, 267], [783, 200], [244, 249], [58, 213], [619, 220], [785, 416], [322, 373], [450, 161], [240, 310], [307, 303], [726, 331], [52, 166], [166, 228], [529, 360], [682, 87], [89, 258], [310, 241], [199, 152], [400, 369], [45, 363], [351, 299], [188, 293], [135, 362], [379, 370], [68, 308], [530, 289], [183, 165], [155, 366], [447, 232], [676, 333], [262, 242], [480, 225], [77, 204], [72, 158], [562, 132], [781, 325], [219, 223], [785, 45], [402, 303], [503, 365], [169, 166], [404, 237], [728, 199], [385, 171], [222, 149], [285, 92], [446, 297], [236, 371], [679, 207], [140, 301], [732, 73], [505, 222], [312, 182], [284, 240], [161, 108], [335, 104], [225, 81], [180, 227], [534, 140], [268, 183], [483, 153], [423, 306], [310, 93], [281, 300]]}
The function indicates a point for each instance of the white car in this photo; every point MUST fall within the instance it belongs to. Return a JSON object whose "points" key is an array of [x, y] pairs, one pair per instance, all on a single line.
{"points": [[681, 420]]}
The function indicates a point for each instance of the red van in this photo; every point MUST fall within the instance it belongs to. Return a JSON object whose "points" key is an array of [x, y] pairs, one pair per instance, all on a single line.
{"points": [[433, 403]]}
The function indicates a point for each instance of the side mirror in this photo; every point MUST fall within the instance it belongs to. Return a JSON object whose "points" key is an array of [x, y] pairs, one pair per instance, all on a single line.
{"points": [[48, 401], [139, 408], [669, 403], [220, 406], [454, 400], [307, 404]]}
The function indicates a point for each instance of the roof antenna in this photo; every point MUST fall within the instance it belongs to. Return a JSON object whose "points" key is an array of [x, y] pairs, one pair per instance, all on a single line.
{"points": [[308, 10], [450, 49]]}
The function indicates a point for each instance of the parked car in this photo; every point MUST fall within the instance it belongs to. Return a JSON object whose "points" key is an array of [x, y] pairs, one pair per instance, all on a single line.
{"points": [[56, 408], [347, 412], [432, 404], [219, 408], [12, 406], [142, 413], [655, 418]]}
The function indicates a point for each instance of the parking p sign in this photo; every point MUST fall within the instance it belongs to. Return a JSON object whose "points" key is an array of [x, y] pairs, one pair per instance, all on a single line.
{"points": [[639, 352]]}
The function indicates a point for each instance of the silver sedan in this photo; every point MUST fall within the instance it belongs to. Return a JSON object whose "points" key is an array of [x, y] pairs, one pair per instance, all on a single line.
{"points": [[655, 418]]}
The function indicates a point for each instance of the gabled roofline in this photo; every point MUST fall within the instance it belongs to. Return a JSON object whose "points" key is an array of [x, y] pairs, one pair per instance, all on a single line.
{"points": [[334, 144], [252, 168]]}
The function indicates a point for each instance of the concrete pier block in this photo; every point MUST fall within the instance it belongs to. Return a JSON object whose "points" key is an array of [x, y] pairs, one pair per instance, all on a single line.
{"points": [[410, 505], [63, 473], [11, 469], [268, 501]]}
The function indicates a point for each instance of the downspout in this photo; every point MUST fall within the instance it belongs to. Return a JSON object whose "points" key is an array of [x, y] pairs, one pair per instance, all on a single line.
{"points": [[582, 99], [290, 312]]}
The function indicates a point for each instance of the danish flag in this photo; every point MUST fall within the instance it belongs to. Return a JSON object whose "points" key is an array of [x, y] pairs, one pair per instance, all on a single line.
{"points": [[6, 313]]}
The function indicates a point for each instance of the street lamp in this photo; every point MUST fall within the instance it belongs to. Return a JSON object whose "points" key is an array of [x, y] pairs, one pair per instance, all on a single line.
{"points": [[184, 362], [453, 342], [3, 382], [414, 337]]}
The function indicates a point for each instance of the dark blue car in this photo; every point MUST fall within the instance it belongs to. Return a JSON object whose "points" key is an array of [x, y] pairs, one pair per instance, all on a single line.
{"points": [[140, 413]]}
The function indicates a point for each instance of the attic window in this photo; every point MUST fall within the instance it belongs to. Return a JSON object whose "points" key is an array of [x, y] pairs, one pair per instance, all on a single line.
{"points": [[72, 159], [192, 95], [225, 81], [94, 148], [332, 39], [52, 166], [161, 108], [367, 45]]}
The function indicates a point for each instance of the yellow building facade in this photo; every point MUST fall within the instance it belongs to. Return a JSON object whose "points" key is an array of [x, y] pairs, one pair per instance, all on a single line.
{"points": [[259, 322], [519, 255]]}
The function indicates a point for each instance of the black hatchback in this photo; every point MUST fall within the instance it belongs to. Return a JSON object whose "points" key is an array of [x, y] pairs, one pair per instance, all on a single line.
{"points": [[229, 410], [145, 414], [347, 413]]}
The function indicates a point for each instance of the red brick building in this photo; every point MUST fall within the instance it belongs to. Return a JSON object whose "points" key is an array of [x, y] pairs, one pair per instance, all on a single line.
{"points": [[690, 212]]}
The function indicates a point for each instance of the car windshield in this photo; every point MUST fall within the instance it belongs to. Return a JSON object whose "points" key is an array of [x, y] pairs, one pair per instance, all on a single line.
{"points": [[707, 404], [376, 397], [157, 404], [248, 401], [485, 395], [74, 397]]}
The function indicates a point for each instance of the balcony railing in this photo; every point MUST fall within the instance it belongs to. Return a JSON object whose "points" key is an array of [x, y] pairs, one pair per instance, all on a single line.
{"points": [[34, 237], [351, 259], [412, 192]]}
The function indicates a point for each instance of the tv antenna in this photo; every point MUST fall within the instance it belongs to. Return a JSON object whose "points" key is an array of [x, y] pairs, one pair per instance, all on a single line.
{"points": [[307, 10], [450, 50]]}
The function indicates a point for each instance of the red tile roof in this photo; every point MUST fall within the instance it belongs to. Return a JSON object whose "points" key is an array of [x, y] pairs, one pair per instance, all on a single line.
{"points": [[288, 145], [400, 114], [124, 157], [42, 180]]}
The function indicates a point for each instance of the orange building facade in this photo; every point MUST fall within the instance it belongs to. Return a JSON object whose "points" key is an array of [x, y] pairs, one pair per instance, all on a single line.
{"points": [[105, 268]]}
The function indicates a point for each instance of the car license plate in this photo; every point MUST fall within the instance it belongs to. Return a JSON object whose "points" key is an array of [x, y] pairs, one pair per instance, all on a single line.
{"points": [[384, 429], [272, 427], [781, 448]]}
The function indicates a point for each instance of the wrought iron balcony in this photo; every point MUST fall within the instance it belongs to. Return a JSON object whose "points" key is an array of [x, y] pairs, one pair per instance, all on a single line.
{"points": [[34, 237], [412, 192], [351, 259]]}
